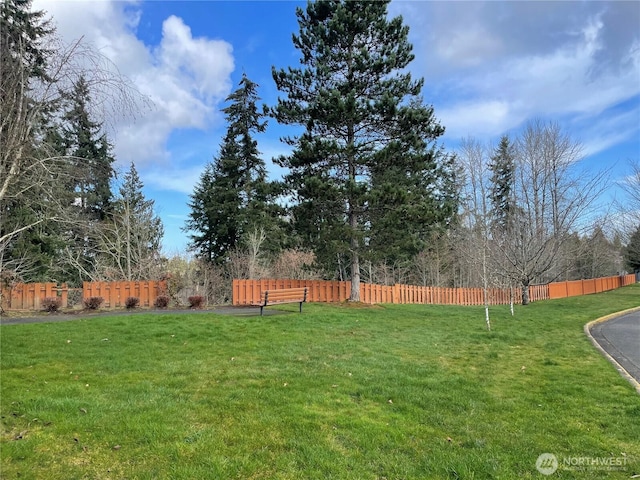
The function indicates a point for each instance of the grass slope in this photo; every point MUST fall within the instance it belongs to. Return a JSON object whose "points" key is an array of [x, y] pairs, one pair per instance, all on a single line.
{"points": [[344, 392]]}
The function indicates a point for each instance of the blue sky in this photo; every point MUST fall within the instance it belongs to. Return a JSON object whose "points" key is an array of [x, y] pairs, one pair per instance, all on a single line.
{"points": [[489, 67]]}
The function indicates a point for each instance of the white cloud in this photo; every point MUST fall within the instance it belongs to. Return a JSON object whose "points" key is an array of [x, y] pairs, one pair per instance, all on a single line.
{"points": [[490, 66], [175, 178], [206, 63], [468, 47], [616, 128], [185, 77], [477, 118]]}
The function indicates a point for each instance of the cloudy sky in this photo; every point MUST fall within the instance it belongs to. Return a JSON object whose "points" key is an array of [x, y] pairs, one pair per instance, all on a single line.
{"points": [[489, 67]]}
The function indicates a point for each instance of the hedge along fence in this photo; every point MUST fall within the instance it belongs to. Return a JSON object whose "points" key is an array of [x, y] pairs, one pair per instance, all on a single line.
{"points": [[247, 292], [28, 296]]}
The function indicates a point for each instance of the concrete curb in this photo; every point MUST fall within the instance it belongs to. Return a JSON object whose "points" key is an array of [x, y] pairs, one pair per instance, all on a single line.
{"points": [[620, 368]]}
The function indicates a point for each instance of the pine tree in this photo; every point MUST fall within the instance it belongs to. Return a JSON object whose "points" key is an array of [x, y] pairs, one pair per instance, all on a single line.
{"points": [[632, 253], [502, 169], [211, 205], [233, 197], [90, 153], [408, 206], [368, 137], [24, 34], [84, 147]]}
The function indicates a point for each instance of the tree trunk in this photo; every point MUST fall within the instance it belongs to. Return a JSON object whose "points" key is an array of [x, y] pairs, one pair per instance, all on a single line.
{"points": [[353, 216], [525, 291], [485, 284], [355, 261], [128, 218], [511, 299]]}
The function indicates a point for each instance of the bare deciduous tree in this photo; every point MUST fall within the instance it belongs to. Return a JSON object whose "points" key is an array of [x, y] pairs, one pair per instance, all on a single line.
{"points": [[552, 197], [476, 218], [255, 239], [247, 261], [628, 218], [632, 186], [435, 265], [295, 264]]}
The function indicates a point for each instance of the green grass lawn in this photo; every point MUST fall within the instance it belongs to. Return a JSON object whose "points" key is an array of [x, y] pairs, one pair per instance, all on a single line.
{"points": [[343, 392]]}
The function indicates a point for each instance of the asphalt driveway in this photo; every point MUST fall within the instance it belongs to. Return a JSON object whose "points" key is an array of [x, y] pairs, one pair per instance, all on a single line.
{"points": [[620, 338]]}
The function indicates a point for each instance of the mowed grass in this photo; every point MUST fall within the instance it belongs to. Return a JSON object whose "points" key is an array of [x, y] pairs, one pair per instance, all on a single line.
{"points": [[340, 391]]}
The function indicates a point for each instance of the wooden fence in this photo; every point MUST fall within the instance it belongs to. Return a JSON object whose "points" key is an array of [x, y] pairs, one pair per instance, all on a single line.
{"points": [[116, 293], [586, 287], [247, 292], [28, 296]]}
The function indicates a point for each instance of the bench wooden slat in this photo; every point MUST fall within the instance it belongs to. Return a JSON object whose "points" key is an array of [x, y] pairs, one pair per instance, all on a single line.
{"points": [[272, 294], [282, 295]]}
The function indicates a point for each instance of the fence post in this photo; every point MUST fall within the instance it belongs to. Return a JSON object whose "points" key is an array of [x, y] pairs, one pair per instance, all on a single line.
{"points": [[64, 295]]}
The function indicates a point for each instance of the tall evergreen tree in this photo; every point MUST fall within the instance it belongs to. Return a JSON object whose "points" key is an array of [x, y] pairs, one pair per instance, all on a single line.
{"points": [[131, 198], [502, 167], [210, 204], [632, 251], [233, 196], [368, 137], [82, 144], [408, 206], [90, 153], [24, 34]]}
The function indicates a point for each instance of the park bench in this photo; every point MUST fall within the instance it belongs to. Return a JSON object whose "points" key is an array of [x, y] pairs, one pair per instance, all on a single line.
{"points": [[282, 295]]}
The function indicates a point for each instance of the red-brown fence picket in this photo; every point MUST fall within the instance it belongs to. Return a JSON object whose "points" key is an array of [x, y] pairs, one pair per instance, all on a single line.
{"points": [[247, 292], [585, 287], [29, 296], [116, 293]]}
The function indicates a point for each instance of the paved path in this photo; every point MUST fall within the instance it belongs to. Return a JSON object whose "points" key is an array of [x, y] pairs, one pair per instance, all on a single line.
{"points": [[620, 338]]}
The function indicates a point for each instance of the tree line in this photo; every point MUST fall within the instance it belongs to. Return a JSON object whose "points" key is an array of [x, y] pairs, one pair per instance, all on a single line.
{"points": [[370, 193], [63, 214]]}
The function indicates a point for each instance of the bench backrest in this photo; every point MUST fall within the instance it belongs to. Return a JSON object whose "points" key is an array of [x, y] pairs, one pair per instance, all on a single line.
{"points": [[284, 295]]}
